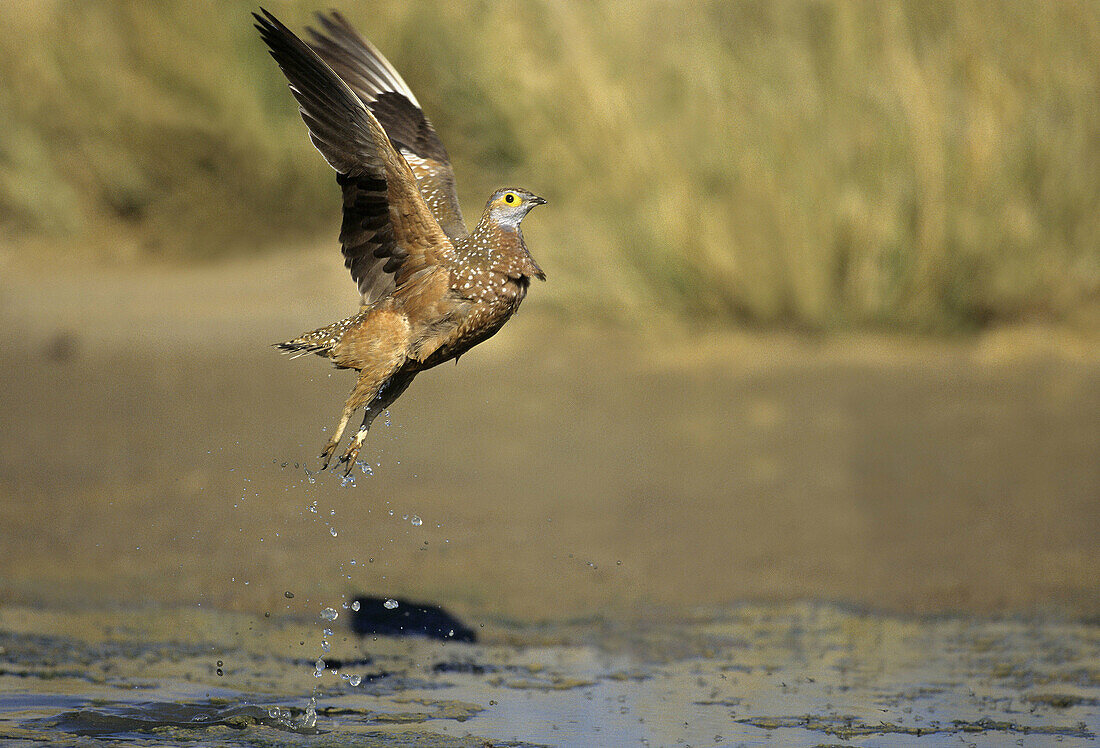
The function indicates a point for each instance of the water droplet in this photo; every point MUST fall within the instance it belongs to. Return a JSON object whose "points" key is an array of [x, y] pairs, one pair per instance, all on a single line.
{"points": [[390, 604], [329, 614], [332, 531], [309, 717], [355, 680], [327, 632], [355, 605], [288, 595], [313, 507], [417, 522], [325, 647]]}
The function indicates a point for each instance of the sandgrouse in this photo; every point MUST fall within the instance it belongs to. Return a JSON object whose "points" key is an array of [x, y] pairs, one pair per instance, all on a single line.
{"points": [[431, 289]]}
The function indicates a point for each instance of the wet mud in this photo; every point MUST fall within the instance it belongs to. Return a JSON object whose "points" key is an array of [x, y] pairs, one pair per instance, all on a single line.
{"points": [[794, 675]]}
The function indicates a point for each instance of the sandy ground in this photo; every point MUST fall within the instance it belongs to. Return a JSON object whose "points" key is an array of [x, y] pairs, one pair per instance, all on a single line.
{"points": [[154, 449]]}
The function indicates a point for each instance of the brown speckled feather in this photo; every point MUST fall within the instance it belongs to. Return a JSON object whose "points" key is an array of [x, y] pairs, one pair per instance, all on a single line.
{"points": [[390, 237], [389, 98], [431, 290]]}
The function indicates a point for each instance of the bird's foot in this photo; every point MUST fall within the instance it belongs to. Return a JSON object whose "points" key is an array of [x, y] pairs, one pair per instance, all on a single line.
{"points": [[326, 454], [348, 458]]}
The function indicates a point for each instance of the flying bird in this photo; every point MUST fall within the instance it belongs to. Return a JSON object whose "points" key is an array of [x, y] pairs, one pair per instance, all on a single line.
{"points": [[431, 289]]}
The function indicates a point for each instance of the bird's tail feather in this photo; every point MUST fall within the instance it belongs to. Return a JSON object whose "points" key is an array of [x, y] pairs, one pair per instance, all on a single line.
{"points": [[321, 341]]}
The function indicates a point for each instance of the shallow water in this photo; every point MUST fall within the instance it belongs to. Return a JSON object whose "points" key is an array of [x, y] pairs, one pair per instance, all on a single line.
{"points": [[596, 507], [796, 675]]}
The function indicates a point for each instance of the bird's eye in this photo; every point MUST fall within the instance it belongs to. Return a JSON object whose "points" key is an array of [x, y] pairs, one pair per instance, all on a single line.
{"points": [[510, 198]]}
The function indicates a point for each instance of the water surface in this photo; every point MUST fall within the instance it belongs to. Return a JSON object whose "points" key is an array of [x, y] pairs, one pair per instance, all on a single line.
{"points": [[794, 675]]}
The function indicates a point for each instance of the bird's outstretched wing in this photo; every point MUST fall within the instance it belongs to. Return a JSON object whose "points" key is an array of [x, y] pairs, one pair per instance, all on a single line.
{"points": [[390, 238], [381, 88]]}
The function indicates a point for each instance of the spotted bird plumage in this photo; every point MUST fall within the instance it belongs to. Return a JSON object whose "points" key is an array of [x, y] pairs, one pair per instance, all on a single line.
{"points": [[430, 289]]}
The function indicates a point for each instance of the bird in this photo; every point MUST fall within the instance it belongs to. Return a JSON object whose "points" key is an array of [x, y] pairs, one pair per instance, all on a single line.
{"points": [[430, 289]]}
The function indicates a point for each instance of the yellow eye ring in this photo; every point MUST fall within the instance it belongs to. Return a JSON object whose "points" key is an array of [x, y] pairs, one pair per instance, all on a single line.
{"points": [[510, 198]]}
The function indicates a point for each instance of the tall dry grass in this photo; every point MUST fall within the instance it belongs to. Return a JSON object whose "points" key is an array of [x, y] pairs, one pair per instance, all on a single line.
{"points": [[921, 166]]}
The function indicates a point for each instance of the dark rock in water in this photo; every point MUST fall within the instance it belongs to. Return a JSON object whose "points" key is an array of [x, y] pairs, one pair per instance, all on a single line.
{"points": [[471, 668], [62, 348], [380, 616]]}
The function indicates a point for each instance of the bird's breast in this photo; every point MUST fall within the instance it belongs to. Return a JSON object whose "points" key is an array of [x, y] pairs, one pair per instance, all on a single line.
{"points": [[486, 314]]}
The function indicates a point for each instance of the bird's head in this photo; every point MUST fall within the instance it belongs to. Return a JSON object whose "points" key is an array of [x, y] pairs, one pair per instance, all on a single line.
{"points": [[508, 206]]}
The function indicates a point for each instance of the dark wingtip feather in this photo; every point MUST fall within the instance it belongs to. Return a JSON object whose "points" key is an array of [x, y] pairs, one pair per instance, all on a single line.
{"points": [[266, 23]]}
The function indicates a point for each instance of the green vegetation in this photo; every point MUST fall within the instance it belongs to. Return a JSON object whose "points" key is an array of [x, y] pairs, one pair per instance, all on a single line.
{"points": [[920, 166]]}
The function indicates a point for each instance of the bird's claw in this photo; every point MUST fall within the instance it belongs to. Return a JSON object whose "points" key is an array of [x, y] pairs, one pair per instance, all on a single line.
{"points": [[326, 455], [348, 459]]}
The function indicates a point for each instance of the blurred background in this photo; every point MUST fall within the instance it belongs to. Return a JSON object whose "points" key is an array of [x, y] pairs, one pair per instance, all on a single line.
{"points": [[822, 317]]}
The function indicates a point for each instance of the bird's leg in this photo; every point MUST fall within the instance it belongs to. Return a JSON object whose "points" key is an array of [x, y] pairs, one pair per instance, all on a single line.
{"points": [[390, 391], [376, 346], [353, 450], [326, 453], [363, 391]]}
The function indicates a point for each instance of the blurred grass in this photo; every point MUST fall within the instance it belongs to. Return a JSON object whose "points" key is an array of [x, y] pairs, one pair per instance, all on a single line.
{"points": [[920, 166]]}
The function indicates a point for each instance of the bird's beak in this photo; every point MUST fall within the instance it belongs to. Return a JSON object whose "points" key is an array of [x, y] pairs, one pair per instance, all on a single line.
{"points": [[535, 199]]}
